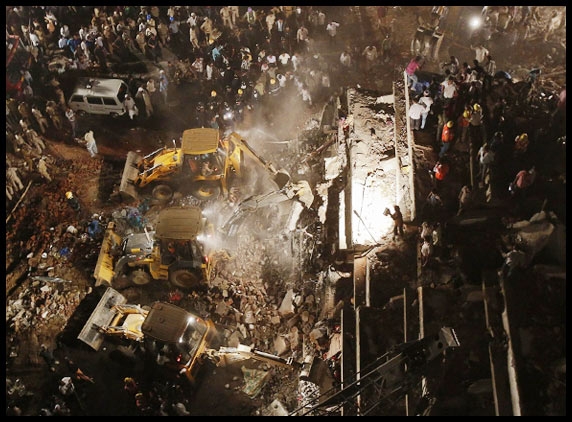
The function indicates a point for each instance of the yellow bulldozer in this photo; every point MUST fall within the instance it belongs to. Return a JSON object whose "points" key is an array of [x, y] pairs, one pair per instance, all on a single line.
{"points": [[173, 251], [204, 166], [182, 338]]}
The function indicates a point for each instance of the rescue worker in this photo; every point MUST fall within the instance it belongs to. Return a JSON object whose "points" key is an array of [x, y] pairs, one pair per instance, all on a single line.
{"points": [[90, 143], [477, 131], [397, 221], [440, 171], [520, 145], [447, 137], [463, 125], [72, 201], [130, 386], [43, 169]]}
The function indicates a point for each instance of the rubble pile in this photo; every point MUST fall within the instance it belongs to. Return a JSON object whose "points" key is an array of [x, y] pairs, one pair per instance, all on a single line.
{"points": [[42, 307]]}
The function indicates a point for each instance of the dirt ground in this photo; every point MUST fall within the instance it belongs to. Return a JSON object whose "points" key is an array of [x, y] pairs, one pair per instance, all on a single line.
{"points": [[265, 264]]}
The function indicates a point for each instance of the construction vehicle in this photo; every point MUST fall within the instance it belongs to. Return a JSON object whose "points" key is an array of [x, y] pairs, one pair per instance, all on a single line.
{"points": [[173, 252], [183, 339], [180, 336], [205, 166]]}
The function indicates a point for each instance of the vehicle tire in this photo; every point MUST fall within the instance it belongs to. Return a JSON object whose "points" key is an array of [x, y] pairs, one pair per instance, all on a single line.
{"points": [[140, 277], [206, 190], [162, 193], [184, 278]]}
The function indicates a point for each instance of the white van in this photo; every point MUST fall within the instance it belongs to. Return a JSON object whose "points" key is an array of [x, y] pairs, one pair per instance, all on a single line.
{"points": [[99, 96]]}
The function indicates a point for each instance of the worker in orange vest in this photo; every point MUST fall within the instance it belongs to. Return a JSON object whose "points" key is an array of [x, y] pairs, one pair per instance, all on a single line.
{"points": [[440, 171], [447, 137]]}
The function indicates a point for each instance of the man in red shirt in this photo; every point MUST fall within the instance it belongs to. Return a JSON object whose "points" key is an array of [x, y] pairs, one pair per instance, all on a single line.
{"points": [[440, 172], [447, 137]]}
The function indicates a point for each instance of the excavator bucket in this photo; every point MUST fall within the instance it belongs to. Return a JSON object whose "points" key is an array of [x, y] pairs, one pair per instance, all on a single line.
{"points": [[127, 188]]}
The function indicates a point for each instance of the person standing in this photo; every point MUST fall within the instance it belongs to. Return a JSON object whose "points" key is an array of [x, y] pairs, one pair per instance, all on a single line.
{"points": [[72, 119], [480, 52], [43, 169], [90, 143], [477, 132], [13, 178], [411, 70], [129, 104], [35, 140], [397, 218], [463, 123], [486, 159], [386, 46], [447, 137], [427, 101], [54, 114], [225, 14], [415, 112], [40, 119], [440, 172], [370, 55], [72, 201], [153, 47], [332, 30], [426, 251], [465, 198], [433, 203]]}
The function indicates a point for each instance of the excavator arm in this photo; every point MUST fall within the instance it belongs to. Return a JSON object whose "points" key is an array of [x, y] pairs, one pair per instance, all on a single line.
{"points": [[226, 355]]}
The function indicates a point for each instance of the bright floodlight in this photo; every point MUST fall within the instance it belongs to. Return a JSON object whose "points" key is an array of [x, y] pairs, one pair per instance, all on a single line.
{"points": [[475, 22]]}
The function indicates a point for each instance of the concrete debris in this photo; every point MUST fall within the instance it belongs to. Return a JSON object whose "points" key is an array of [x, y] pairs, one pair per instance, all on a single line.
{"points": [[287, 306], [254, 381], [275, 409]]}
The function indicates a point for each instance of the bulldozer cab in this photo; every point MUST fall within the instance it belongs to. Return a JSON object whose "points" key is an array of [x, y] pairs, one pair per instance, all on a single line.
{"points": [[182, 254], [199, 147], [199, 141], [180, 336]]}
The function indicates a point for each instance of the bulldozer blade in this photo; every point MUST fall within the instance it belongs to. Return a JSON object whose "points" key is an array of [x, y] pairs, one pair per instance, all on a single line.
{"points": [[104, 269], [127, 189], [101, 316]]}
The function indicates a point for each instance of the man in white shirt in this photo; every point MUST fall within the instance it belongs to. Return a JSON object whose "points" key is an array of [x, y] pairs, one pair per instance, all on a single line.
{"points": [[427, 102], [284, 61], [415, 111], [480, 52], [449, 89]]}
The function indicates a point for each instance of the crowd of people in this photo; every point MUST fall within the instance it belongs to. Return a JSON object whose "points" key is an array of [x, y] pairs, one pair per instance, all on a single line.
{"points": [[234, 55], [237, 55], [473, 107]]}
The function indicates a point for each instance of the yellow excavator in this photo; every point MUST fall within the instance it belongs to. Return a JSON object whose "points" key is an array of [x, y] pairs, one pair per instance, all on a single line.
{"points": [[205, 165], [173, 251], [183, 339]]}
